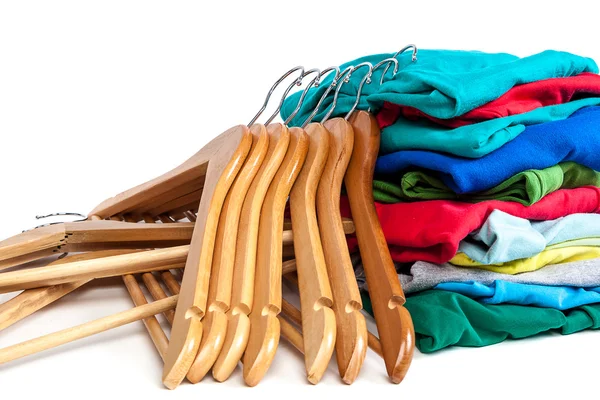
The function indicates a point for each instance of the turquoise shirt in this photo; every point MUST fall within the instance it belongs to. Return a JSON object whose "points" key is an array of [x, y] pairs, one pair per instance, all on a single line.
{"points": [[442, 83]]}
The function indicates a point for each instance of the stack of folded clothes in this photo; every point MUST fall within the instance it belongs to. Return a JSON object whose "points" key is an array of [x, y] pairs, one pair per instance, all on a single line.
{"points": [[488, 191]]}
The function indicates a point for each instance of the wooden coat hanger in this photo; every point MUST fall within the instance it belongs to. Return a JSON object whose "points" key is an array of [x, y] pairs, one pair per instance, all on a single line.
{"points": [[318, 319], [219, 294], [351, 341], [82, 236], [266, 305]]}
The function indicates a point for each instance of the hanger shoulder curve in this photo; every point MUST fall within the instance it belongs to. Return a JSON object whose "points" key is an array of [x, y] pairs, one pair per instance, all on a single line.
{"points": [[219, 293], [351, 343], [264, 325], [242, 291], [316, 299], [223, 165]]}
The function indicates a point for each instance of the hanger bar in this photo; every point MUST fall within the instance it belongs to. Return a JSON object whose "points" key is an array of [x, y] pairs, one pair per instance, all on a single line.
{"points": [[145, 261], [88, 329]]}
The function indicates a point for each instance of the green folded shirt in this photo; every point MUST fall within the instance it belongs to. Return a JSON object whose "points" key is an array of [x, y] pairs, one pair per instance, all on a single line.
{"points": [[444, 319], [527, 187]]}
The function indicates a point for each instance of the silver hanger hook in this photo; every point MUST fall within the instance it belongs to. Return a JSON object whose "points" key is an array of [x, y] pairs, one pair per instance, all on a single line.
{"points": [[58, 214], [402, 50], [387, 61], [297, 82], [365, 79], [329, 88], [316, 81], [346, 74]]}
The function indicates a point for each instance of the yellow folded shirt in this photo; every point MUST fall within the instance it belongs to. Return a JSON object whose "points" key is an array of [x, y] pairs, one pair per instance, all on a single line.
{"points": [[552, 255]]}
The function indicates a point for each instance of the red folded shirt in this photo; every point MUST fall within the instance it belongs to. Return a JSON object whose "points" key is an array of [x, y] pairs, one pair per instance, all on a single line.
{"points": [[431, 230], [518, 100]]}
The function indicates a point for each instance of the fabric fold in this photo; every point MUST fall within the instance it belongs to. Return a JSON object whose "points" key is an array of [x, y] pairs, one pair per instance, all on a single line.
{"points": [[575, 139]]}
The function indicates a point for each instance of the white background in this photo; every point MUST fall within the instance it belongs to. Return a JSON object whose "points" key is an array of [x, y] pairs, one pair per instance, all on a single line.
{"points": [[96, 97]]}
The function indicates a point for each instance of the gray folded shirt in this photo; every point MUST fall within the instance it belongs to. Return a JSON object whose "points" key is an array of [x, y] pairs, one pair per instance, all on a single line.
{"points": [[425, 275]]}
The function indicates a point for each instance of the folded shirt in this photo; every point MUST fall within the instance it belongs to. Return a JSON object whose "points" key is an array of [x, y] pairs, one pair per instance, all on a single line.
{"points": [[504, 292], [442, 83], [473, 141], [518, 100], [540, 146], [442, 319], [526, 187], [504, 237], [550, 256], [432, 230]]}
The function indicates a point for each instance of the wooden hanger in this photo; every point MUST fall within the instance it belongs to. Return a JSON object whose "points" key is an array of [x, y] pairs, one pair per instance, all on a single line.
{"points": [[264, 325], [351, 343], [242, 292], [219, 293], [114, 265], [318, 319], [88, 236], [394, 324], [221, 159], [32, 300]]}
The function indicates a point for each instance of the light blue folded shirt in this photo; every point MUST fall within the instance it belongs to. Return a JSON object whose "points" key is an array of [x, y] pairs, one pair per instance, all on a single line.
{"points": [[503, 292], [504, 237]]}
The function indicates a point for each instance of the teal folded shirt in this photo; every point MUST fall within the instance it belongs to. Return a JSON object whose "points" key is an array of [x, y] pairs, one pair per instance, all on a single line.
{"points": [[476, 140], [442, 83]]}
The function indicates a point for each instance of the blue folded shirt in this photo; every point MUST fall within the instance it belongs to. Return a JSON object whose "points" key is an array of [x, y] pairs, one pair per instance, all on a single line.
{"points": [[576, 138], [503, 292]]}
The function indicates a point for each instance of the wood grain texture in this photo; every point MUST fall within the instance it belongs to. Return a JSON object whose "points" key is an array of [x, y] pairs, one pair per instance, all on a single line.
{"points": [[116, 265], [93, 235], [264, 325], [158, 336], [88, 329], [351, 342], [242, 292], [219, 294], [394, 324], [316, 299], [32, 300], [223, 159]]}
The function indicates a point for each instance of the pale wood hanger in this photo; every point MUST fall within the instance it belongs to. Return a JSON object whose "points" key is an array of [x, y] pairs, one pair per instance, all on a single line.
{"points": [[219, 293], [264, 325], [318, 319], [88, 236], [351, 342], [242, 292]]}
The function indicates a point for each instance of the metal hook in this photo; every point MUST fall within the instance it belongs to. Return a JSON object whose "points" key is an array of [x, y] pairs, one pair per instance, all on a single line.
{"points": [[316, 81], [58, 214], [346, 74], [365, 79], [402, 50], [329, 88], [297, 82]]}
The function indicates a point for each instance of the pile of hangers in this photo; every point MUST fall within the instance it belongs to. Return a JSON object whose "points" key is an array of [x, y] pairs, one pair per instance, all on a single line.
{"points": [[212, 241]]}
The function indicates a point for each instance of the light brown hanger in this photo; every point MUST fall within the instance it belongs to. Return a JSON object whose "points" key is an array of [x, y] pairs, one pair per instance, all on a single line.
{"points": [[114, 265], [351, 341], [242, 292], [71, 237], [318, 319], [191, 308], [264, 325], [219, 294]]}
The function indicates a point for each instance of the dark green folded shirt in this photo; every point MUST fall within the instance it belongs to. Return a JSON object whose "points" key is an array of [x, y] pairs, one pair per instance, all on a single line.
{"points": [[527, 187], [444, 319]]}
